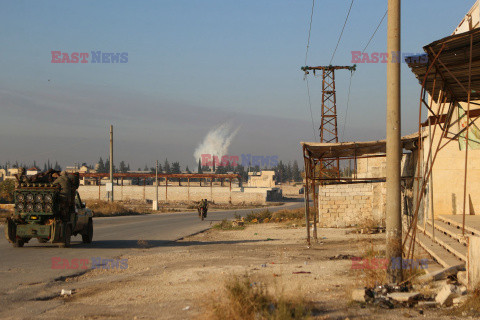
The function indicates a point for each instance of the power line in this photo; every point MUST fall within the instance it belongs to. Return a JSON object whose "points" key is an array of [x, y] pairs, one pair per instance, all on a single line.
{"points": [[309, 31], [350, 85], [339, 38], [373, 35], [306, 56]]}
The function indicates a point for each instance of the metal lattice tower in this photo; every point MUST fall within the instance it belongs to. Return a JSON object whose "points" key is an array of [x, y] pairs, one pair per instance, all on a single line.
{"points": [[328, 126]]}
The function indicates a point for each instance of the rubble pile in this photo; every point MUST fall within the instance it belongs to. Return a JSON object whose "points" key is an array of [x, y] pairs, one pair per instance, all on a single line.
{"points": [[443, 288]]}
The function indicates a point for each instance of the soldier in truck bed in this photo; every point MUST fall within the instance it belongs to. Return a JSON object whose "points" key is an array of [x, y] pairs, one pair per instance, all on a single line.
{"points": [[44, 177], [65, 195]]}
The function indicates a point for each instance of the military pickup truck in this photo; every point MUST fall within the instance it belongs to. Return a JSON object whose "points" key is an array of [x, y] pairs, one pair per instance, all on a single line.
{"points": [[51, 212]]}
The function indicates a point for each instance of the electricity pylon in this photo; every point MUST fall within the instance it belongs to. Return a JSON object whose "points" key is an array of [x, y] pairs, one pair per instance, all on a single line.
{"points": [[328, 126]]}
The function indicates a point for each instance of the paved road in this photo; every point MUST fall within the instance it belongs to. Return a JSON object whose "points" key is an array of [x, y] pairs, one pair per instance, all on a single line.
{"points": [[113, 237]]}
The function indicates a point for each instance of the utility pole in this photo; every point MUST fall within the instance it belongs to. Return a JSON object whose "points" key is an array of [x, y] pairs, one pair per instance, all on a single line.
{"points": [[156, 186], [111, 162], [328, 126], [394, 147]]}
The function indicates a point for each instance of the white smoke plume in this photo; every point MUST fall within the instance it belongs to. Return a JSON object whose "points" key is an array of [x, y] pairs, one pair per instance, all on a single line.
{"points": [[216, 142]]}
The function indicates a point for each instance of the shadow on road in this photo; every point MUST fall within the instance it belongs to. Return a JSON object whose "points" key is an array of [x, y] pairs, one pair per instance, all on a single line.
{"points": [[145, 244]]}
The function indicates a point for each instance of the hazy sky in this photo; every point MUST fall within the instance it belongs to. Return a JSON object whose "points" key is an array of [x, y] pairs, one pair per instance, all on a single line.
{"points": [[193, 65]]}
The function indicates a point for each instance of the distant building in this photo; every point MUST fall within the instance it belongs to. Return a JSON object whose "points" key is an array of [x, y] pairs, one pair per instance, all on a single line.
{"points": [[12, 171], [262, 179], [33, 171], [82, 169]]}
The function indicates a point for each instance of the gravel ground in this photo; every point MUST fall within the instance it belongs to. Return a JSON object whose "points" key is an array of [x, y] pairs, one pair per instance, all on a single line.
{"points": [[173, 282]]}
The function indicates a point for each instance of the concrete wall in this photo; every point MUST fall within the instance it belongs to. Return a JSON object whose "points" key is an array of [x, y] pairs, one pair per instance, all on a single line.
{"points": [[448, 179], [176, 193], [344, 205], [448, 173]]}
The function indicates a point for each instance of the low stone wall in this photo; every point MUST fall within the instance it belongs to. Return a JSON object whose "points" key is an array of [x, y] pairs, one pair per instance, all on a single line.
{"points": [[345, 205], [178, 193]]}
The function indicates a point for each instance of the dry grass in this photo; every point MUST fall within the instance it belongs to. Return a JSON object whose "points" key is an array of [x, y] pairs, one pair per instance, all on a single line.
{"points": [[373, 276], [243, 299], [228, 225], [471, 307], [368, 225], [285, 215], [107, 209], [376, 274]]}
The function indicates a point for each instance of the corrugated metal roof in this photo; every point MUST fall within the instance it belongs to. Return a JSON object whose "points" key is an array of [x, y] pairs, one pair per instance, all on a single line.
{"points": [[352, 149], [455, 58]]}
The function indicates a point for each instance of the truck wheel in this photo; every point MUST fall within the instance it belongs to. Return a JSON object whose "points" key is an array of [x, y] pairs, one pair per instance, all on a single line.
{"points": [[18, 243], [88, 235], [66, 241]]}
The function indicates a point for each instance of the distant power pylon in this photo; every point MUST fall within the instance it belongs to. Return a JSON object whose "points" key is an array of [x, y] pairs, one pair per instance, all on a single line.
{"points": [[328, 126]]}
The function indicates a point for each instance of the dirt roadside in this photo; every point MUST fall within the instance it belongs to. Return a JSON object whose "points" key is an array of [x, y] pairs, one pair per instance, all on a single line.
{"points": [[173, 282]]}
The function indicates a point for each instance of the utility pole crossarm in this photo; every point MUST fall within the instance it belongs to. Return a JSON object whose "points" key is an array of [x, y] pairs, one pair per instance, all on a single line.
{"points": [[351, 68]]}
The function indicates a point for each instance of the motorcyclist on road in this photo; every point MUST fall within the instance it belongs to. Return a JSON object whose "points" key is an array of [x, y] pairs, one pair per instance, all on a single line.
{"points": [[203, 207]]}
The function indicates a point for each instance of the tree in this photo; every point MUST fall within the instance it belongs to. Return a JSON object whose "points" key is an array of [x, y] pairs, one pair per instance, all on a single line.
{"points": [[107, 166], [199, 169], [57, 166], [166, 167], [176, 167], [146, 168], [221, 170], [123, 167], [229, 167], [241, 171], [187, 170], [288, 172], [280, 172], [101, 166], [296, 175], [44, 167]]}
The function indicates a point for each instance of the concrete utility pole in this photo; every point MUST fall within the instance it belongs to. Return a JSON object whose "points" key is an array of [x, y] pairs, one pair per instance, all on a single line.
{"points": [[394, 147], [156, 186], [111, 162]]}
